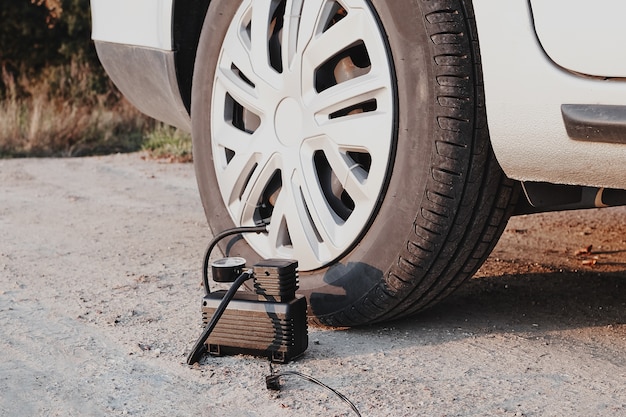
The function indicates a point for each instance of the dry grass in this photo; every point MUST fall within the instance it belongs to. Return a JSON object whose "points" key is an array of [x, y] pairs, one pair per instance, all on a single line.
{"points": [[168, 143], [62, 115]]}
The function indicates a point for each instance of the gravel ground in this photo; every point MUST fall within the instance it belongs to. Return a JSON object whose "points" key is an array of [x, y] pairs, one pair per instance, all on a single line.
{"points": [[100, 294]]}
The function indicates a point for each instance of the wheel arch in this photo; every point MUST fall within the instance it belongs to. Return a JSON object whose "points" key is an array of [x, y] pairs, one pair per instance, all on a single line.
{"points": [[187, 20]]}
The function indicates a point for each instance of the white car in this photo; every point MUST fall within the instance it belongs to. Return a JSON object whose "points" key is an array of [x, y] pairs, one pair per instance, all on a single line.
{"points": [[384, 143]]}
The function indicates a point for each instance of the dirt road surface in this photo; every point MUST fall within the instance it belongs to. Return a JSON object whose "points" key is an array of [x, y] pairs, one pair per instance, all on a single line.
{"points": [[100, 295]]}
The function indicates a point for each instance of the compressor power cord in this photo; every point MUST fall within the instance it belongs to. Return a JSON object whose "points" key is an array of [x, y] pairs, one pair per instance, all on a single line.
{"points": [[216, 240], [199, 348], [272, 382]]}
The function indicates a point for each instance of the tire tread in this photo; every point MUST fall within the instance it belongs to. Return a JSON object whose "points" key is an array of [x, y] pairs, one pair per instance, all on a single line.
{"points": [[467, 200]]}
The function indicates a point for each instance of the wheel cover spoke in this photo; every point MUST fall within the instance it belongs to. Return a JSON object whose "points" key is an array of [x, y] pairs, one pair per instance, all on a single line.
{"points": [[302, 123]]}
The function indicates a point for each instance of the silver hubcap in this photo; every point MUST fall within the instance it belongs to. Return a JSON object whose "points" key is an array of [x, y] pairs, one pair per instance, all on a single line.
{"points": [[302, 124]]}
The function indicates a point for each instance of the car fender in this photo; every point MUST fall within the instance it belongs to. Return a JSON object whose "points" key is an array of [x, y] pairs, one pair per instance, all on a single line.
{"points": [[525, 92], [145, 23]]}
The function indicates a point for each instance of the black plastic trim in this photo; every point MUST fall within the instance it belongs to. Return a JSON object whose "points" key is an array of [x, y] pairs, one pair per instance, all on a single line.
{"points": [[544, 197], [595, 122]]}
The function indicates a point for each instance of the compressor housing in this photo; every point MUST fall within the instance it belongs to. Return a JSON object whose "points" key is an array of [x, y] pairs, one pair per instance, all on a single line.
{"points": [[270, 322]]}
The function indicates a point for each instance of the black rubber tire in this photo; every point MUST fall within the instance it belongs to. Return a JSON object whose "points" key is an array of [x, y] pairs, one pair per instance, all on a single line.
{"points": [[447, 200]]}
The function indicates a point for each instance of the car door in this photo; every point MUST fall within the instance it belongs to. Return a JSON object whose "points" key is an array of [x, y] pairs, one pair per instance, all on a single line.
{"points": [[583, 36]]}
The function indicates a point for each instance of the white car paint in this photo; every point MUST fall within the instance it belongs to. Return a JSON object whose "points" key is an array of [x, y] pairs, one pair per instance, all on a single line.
{"points": [[144, 23], [524, 91], [586, 37]]}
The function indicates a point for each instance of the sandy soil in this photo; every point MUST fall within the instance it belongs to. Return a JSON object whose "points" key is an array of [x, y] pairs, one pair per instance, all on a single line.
{"points": [[100, 294]]}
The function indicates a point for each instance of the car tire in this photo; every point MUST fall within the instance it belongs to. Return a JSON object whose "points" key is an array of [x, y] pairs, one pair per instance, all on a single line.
{"points": [[266, 150]]}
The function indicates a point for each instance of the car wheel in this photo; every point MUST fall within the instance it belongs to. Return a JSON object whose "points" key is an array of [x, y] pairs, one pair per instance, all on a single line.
{"points": [[357, 130]]}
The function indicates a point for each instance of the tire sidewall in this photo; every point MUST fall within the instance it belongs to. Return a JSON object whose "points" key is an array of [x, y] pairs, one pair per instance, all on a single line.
{"points": [[365, 266]]}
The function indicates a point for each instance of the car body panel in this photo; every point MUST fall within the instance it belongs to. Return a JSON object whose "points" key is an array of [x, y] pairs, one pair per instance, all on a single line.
{"points": [[147, 77], [146, 23], [524, 87], [134, 41], [585, 37], [524, 92]]}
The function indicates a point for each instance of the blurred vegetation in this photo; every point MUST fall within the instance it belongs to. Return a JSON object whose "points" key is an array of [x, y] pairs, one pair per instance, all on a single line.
{"points": [[55, 98], [36, 34], [166, 142]]}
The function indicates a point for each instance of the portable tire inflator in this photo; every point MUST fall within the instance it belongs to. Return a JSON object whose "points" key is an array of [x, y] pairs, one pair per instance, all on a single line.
{"points": [[269, 322]]}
